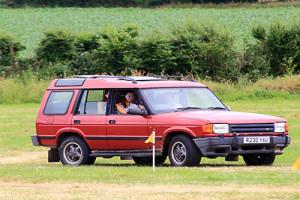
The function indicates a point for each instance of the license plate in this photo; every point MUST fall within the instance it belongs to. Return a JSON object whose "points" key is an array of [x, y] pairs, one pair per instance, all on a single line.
{"points": [[256, 140]]}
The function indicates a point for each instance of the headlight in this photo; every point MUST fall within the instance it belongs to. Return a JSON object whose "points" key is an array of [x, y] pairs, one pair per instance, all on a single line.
{"points": [[280, 127], [220, 128]]}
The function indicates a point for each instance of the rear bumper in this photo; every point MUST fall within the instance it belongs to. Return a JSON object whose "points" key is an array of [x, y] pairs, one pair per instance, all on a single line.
{"points": [[224, 146], [35, 140]]}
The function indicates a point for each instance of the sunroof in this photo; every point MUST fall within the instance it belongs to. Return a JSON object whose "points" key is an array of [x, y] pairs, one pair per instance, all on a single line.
{"points": [[69, 82]]}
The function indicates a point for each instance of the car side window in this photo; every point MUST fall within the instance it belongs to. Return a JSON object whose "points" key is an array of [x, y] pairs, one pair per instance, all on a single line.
{"points": [[123, 99], [58, 103], [93, 102]]}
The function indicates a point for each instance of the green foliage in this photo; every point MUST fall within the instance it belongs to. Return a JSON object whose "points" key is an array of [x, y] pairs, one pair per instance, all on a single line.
{"points": [[207, 52], [117, 50], [198, 50], [56, 47], [255, 63], [276, 48], [9, 51], [156, 55], [24, 88], [204, 51], [86, 43]]}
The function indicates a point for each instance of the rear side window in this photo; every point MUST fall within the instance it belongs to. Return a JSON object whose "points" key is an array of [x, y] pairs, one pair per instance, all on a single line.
{"points": [[58, 103], [93, 102]]}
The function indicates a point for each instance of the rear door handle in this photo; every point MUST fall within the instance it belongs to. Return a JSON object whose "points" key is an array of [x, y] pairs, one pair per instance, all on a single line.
{"points": [[112, 121], [76, 121]]}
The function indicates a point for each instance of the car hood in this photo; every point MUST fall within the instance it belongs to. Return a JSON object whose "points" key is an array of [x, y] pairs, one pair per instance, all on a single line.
{"points": [[230, 117]]}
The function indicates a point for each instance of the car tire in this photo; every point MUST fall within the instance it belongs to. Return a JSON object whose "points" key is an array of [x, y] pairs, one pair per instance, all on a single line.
{"points": [[73, 151], [259, 159], [183, 152], [159, 160]]}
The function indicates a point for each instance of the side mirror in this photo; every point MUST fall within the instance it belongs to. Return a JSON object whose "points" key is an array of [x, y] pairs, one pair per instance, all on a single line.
{"points": [[137, 111], [228, 107]]}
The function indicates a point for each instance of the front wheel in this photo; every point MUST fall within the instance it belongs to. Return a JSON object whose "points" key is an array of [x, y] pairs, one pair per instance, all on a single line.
{"points": [[183, 152], [259, 159], [73, 151]]}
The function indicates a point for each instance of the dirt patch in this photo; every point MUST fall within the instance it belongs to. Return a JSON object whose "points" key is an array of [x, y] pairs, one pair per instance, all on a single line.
{"points": [[24, 157], [58, 190]]}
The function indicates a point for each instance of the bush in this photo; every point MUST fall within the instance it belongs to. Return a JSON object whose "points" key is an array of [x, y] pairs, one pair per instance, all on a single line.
{"points": [[255, 63], [204, 51], [117, 51], [276, 48], [86, 43], [156, 55], [9, 51], [191, 49], [56, 47]]}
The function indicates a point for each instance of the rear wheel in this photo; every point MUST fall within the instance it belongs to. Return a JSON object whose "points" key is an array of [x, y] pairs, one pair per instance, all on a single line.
{"points": [[183, 152], [73, 151], [159, 160], [259, 159]]}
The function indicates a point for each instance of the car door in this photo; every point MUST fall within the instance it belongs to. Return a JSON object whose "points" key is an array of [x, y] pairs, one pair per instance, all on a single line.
{"points": [[90, 118], [124, 131]]}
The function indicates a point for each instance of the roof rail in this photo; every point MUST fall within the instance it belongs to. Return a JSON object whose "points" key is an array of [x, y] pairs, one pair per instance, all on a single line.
{"points": [[95, 76], [181, 77], [136, 79], [126, 78]]}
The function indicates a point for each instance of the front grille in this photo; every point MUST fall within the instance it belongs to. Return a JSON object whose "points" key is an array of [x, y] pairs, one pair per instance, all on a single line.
{"points": [[251, 128]]}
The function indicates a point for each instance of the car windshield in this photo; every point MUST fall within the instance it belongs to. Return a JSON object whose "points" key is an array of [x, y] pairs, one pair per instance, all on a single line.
{"points": [[162, 100]]}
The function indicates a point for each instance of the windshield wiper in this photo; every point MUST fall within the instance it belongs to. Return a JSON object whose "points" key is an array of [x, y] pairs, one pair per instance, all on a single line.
{"points": [[216, 108], [188, 108]]}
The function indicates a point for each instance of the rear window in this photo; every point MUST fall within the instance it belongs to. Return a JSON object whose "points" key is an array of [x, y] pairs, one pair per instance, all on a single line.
{"points": [[58, 103]]}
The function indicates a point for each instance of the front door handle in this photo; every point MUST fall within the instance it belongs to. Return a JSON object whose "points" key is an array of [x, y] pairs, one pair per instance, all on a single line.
{"points": [[112, 121], [76, 121]]}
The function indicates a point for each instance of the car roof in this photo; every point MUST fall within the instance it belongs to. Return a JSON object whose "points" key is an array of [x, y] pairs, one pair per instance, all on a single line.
{"points": [[104, 81]]}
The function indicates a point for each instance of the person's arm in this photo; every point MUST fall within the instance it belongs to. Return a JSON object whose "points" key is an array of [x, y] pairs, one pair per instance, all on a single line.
{"points": [[120, 108]]}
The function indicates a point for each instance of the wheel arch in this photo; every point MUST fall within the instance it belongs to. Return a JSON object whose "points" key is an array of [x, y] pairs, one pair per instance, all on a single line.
{"points": [[171, 134], [67, 134]]}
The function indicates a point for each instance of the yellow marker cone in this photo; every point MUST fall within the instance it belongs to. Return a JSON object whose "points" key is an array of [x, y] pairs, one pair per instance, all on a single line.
{"points": [[296, 165]]}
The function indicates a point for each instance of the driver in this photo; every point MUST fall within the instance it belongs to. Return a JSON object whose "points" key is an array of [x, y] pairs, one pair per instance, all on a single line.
{"points": [[127, 102]]}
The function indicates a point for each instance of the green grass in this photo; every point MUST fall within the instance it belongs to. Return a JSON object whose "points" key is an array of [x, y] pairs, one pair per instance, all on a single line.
{"points": [[28, 24], [131, 174]]}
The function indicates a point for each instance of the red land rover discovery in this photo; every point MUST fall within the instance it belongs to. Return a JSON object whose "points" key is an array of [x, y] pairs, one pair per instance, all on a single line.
{"points": [[104, 116]]}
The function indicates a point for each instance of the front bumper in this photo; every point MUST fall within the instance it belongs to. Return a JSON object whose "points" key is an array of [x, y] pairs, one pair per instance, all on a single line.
{"points": [[224, 146]]}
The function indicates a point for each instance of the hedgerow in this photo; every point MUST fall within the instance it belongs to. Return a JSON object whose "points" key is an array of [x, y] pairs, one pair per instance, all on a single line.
{"points": [[205, 51]]}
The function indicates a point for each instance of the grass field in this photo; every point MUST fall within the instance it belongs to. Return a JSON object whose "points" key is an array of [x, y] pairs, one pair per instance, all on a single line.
{"points": [[27, 25], [25, 173]]}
